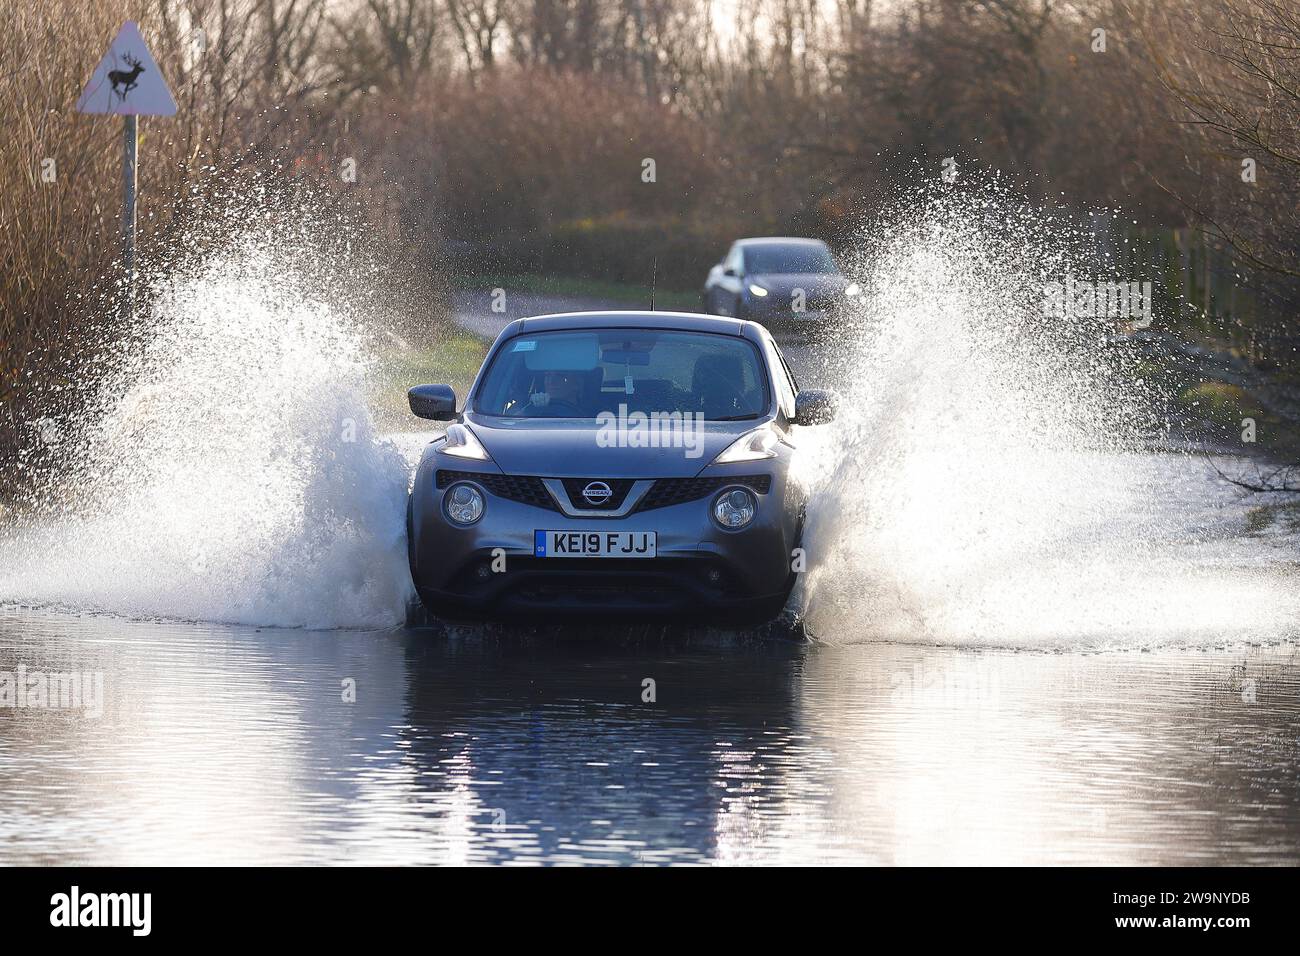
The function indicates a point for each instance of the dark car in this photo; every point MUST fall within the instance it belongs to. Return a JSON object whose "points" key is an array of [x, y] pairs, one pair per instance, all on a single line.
{"points": [[782, 283], [622, 463]]}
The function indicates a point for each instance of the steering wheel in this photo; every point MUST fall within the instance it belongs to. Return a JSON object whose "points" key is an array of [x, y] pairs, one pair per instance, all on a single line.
{"points": [[562, 405]]}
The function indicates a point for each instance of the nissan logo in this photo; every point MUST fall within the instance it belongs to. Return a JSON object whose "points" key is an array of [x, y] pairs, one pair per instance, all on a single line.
{"points": [[597, 492]]}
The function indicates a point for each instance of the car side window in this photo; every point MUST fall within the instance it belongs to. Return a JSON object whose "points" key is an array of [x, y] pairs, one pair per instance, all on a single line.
{"points": [[785, 387], [734, 260], [794, 382]]}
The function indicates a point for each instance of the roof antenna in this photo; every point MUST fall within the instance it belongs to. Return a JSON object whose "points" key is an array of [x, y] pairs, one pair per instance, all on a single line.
{"points": [[654, 275]]}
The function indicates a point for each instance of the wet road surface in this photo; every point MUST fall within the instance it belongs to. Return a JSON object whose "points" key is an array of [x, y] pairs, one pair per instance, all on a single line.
{"points": [[237, 745], [1118, 684]]}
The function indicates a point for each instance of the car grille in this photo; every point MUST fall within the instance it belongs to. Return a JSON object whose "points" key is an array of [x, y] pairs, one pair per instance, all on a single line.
{"points": [[522, 488], [674, 491], [619, 487], [664, 493]]}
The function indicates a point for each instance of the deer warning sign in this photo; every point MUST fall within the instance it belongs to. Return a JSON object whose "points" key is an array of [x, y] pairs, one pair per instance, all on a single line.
{"points": [[127, 80]]}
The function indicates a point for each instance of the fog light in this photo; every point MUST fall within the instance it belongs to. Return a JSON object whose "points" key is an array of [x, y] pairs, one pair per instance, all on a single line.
{"points": [[735, 508], [463, 504]]}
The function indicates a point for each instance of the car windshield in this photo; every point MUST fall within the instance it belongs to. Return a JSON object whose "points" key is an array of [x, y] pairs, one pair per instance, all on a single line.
{"points": [[801, 258], [580, 374]]}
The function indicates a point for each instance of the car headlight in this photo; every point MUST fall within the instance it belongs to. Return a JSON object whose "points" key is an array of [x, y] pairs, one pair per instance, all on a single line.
{"points": [[735, 508], [463, 443], [463, 503], [852, 289], [758, 290], [751, 446]]}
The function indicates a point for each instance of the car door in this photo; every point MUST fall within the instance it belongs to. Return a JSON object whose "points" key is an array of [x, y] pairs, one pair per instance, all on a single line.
{"points": [[726, 295], [713, 284]]}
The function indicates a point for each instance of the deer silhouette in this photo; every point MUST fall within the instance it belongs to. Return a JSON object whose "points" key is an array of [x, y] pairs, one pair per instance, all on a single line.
{"points": [[124, 80]]}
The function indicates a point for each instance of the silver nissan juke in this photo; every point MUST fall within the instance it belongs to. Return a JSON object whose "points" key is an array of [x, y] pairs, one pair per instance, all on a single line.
{"points": [[618, 464]]}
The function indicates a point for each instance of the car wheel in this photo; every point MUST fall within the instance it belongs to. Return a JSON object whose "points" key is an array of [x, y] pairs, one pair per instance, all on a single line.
{"points": [[410, 538], [417, 615], [418, 601]]}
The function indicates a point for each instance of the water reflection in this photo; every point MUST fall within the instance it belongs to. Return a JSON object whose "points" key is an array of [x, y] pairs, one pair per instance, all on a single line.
{"points": [[237, 745]]}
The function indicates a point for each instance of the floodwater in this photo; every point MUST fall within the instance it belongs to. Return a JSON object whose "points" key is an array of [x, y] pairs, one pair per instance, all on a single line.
{"points": [[234, 745], [1029, 634]]}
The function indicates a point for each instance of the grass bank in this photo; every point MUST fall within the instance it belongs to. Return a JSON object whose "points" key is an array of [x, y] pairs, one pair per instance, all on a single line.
{"points": [[454, 358], [634, 295]]}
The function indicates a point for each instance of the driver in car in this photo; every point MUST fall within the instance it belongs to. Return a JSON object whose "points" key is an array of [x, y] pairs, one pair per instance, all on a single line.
{"points": [[562, 393]]}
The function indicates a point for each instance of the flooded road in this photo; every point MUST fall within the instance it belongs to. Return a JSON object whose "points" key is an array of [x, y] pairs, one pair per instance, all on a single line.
{"points": [[1033, 638], [234, 745]]}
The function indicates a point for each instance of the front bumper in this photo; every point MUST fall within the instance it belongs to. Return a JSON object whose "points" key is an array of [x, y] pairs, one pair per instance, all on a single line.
{"points": [[489, 568], [677, 587]]}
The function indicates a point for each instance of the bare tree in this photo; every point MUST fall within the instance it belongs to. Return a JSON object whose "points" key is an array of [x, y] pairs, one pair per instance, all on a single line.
{"points": [[1239, 88], [387, 47], [479, 25]]}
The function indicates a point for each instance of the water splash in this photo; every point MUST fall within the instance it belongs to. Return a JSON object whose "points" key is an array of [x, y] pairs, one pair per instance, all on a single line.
{"points": [[987, 483], [228, 470]]}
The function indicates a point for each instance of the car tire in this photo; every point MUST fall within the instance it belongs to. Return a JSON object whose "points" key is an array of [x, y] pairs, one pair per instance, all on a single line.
{"points": [[417, 615], [410, 538], [411, 612], [417, 612]]}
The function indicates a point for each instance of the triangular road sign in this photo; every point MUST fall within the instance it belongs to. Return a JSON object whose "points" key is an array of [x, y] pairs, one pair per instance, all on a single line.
{"points": [[127, 80]]}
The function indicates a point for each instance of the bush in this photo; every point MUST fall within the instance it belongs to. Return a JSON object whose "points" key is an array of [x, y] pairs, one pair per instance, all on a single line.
{"points": [[623, 249], [61, 185], [545, 171]]}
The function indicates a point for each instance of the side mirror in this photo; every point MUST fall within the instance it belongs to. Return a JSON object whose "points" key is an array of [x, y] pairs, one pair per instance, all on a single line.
{"points": [[437, 402], [815, 406]]}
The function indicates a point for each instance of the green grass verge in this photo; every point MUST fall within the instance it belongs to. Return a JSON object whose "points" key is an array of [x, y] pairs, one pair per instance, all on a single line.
{"points": [[1228, 406], [1225, 406], [1220, 402], [1262, 519], [453, 359], [666, 299]]}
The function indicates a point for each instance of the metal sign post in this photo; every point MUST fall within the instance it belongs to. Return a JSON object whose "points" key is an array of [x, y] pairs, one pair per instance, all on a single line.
{"points": [[130, 148], [128, 83]]}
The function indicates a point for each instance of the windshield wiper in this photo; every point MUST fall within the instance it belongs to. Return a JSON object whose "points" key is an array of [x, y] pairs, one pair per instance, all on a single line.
{"points": [[733, 418]]}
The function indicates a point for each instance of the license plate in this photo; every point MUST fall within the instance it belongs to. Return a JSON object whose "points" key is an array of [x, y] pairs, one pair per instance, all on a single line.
{"points": [[594, 544]]}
